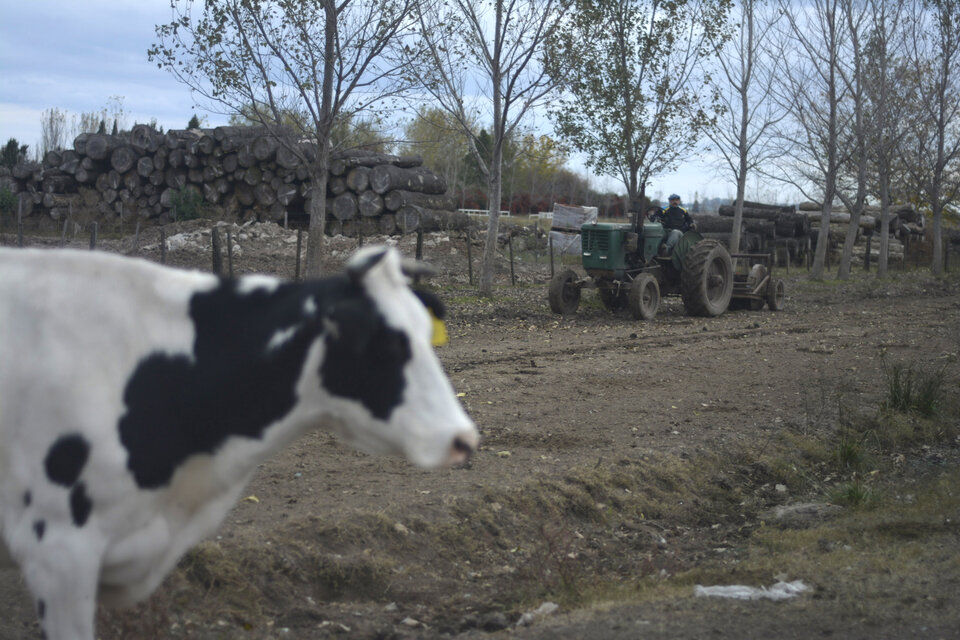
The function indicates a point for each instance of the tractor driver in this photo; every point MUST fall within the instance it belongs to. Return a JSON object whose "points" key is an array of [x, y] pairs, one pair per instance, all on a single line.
{"points": [[676, 221]]}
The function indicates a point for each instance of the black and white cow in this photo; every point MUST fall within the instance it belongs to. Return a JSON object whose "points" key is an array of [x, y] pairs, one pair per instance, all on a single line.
{"points": [[136, 401]]}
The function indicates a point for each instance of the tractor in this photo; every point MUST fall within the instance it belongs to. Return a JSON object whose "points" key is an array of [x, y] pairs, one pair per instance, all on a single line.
{"points": [[627, 266]]}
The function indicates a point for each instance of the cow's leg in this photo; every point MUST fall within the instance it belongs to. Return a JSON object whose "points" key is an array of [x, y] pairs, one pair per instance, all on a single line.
{"points": [[63, 579]]}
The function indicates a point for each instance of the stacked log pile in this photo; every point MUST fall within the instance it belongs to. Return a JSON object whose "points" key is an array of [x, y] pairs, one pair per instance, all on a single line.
{"points": [[232, 172]]}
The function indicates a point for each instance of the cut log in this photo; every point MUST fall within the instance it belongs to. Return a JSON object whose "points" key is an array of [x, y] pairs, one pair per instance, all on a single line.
{"points": [[229, 163], [195, 176], [342, 162], [80, 143], [714, 224], [394, 200], [100, 146], [369, 203], [210, 193], [760, 214], [69, 161], [123, 158], [265, 148], [264, 194], [286, 193], [245, 157], [145, 166], [206, 145], [175, 179], [211, 172], [52, 159], [145, 138], [385, 178], [252, 176], [175, 158], [358, 179], [131, 180], [336, 185], [411, 218], [387, 224], [344, 206]]}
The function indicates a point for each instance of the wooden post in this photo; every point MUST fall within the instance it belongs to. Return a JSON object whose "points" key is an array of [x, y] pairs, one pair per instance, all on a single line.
{"points": [[63, 232], [163, 246], [359, 239], [296, 274], [469, 258], [136, 238], [550, 244], [536, 245], [215, 246], [866, 256], [285, 219], [19, 222], [419, 256], [229, 253], [93, 236], [513, 277], [946, 256]]}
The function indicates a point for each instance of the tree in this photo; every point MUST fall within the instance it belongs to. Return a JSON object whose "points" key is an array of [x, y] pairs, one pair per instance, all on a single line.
{"points": [[633, 103], [323, 59], [809, 86], [743, 86], [194, 122], [434, 135], [53, 131], [934, 140], [484, 57], [13, 153]]}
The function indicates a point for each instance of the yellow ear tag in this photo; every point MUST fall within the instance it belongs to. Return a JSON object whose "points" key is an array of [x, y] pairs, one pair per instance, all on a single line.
{"points": [[439, 331]]}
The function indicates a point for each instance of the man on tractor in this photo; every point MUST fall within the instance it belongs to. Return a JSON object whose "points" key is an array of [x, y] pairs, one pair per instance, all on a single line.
{"points": [[676, 221]]}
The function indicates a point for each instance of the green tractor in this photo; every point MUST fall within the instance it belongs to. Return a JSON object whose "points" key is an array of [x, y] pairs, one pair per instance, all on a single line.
{"points": [[624, 262]]}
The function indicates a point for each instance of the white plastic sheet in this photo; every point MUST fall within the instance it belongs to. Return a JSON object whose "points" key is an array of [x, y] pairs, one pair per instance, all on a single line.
{"points": [[779, 591]]}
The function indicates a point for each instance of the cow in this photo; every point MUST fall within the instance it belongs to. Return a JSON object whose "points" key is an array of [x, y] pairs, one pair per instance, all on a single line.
{"points": [[136, 401]]}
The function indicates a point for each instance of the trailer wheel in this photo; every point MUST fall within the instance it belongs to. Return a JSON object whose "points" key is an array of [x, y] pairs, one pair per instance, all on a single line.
{"points": [[564, 294], [643, 299], [776, 293], [706, 282]]}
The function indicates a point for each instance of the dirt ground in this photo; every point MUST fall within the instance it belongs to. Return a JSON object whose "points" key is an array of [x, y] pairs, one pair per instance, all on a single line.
{"points": [[622, 464]]}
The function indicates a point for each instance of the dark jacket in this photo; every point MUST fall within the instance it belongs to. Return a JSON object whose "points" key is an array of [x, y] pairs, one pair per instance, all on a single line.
{"points": [[674, 218]]}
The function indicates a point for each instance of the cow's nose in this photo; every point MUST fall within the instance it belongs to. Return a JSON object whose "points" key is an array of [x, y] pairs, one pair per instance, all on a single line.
{"points": [[463, 446]]}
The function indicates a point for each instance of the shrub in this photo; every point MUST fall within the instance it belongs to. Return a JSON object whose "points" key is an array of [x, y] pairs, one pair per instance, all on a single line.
{"points": [[187, 204], [912, 388], [8, 201]]}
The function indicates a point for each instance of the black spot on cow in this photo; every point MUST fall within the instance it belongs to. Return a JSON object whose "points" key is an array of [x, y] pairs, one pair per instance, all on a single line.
{"points": [[39, 528], [236, 382], [27, 498], [41, 609], [66, 458], [364, 358], [80, 505]]}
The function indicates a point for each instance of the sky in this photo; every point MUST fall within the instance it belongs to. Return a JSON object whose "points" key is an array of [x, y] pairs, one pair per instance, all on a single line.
{"points": [[76, 55]]}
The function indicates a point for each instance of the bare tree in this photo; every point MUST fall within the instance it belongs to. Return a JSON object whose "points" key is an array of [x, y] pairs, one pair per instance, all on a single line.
{"points": [[885, 99], [934, 139], [53, 131], [744, 87], [810, 87], [265, 59], [854, 139], [484, 64]]}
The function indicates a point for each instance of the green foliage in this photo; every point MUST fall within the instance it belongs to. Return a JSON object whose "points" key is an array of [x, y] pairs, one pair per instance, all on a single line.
{"points": [[13, 153], [913, 388], [856, 495], [7, 201], [187, 204], [632, 105], [194, 122]]}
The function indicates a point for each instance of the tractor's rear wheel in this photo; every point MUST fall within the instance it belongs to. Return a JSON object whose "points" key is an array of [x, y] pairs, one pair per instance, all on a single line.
{"points": [[706, 282], [643, 300], [564, 293], [776, 293], [611, 296]]}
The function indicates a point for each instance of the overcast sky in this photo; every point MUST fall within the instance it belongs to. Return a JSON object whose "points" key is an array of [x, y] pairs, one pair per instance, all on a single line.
{"points": [[75, 55]]}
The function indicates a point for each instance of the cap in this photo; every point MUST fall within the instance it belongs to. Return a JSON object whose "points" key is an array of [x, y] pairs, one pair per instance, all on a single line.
{"points": [[673, 196]]}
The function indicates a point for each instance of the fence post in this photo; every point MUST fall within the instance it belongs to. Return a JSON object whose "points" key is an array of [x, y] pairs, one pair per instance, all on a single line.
{"points": [[93, 236], [513, 277], [215, 246], [419, 254], [296, 275], [866, 256], [946, 256], [163, 246], [136, 238], [19, 222], [469, 257], [229, 253], [550, 244]]}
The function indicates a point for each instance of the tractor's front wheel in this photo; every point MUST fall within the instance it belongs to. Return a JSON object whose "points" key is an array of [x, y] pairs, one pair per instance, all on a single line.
{"points": [[644, 297], [706, 282], [564, 292]]}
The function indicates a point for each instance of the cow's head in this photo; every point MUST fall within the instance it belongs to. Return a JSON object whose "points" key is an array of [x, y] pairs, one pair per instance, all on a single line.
{"points": [[378, 354]]}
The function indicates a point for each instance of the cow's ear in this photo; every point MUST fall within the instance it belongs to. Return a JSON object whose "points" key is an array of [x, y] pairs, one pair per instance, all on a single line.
{"points": [[363, 261]]}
